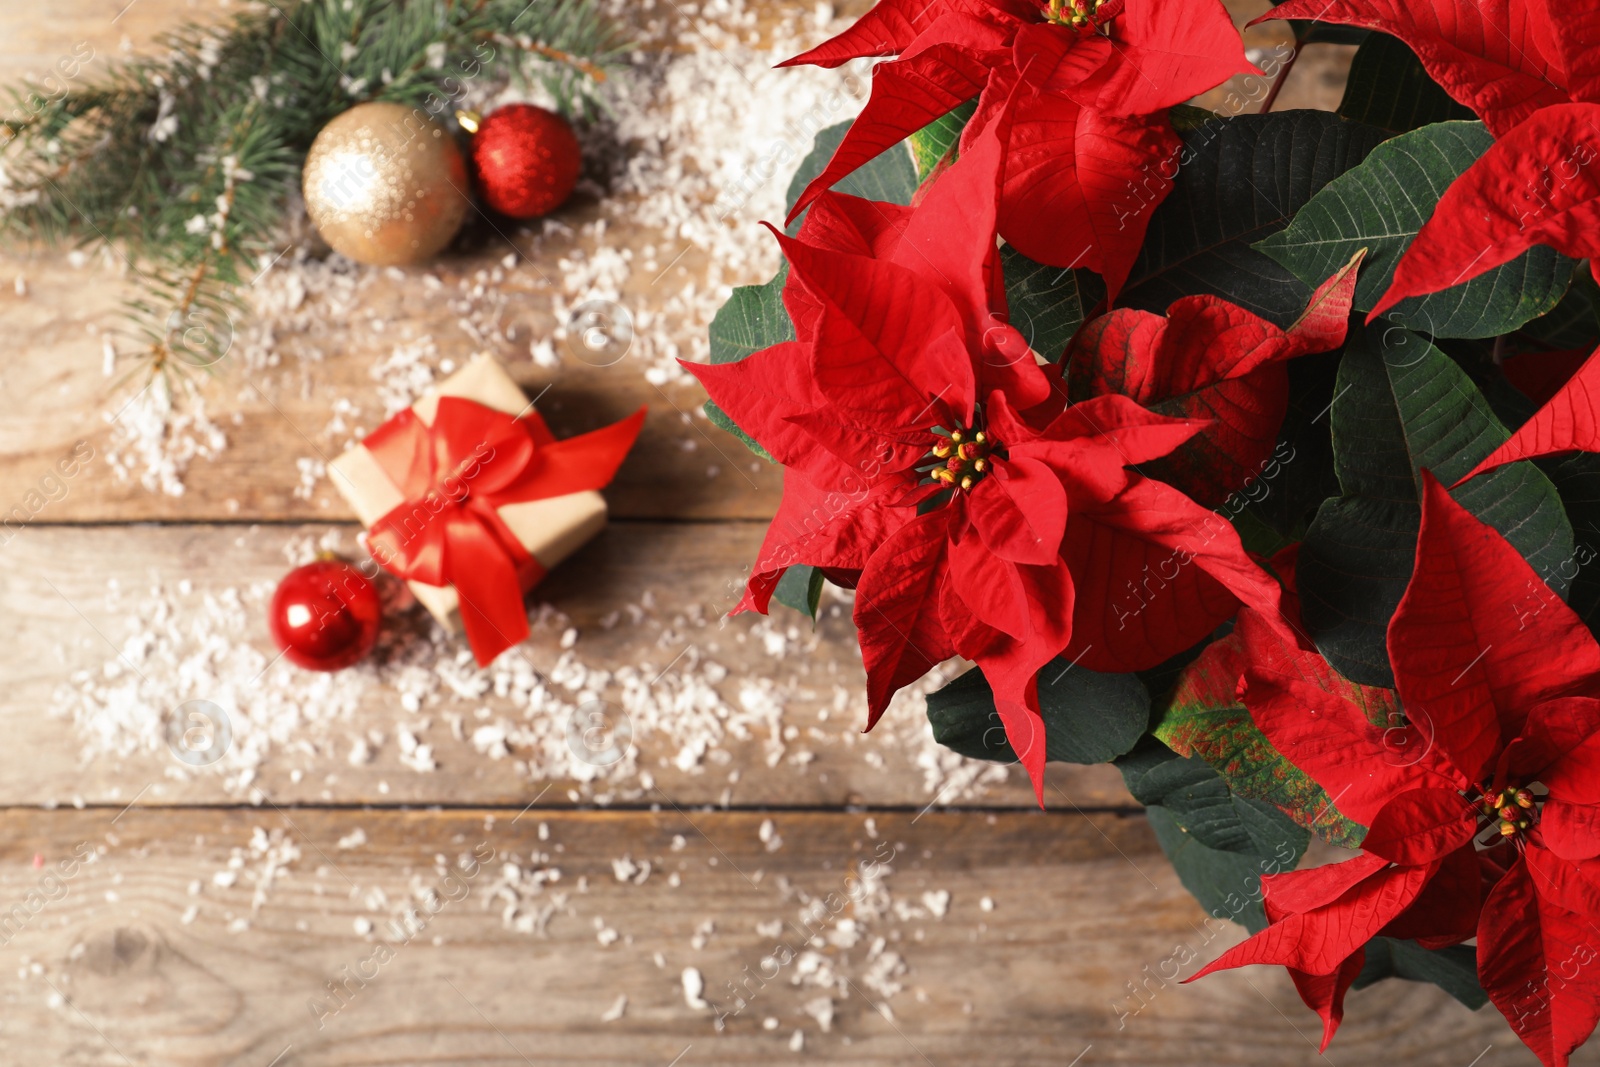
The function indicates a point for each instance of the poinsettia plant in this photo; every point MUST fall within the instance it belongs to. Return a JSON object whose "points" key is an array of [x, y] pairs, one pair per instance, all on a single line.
{"points": [[1254, 453]]}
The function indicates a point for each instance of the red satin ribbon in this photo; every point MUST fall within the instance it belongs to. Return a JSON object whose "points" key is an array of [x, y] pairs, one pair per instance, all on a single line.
{"points": [[455, 476]]}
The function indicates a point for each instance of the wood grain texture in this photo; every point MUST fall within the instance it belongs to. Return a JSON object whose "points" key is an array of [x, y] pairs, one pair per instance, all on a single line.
{"points": [[275, 417], [60, 578], [207, 935], [137, 984]]}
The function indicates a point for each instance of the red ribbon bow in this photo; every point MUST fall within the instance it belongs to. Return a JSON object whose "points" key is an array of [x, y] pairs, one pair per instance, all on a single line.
{"points": [[455, 475]]}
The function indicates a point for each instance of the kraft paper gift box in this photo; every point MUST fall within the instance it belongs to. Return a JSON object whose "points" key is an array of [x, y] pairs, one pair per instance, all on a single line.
{"points": [[549, 529]]}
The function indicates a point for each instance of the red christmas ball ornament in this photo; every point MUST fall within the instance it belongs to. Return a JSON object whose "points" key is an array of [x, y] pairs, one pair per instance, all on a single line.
{"points": [[527, 159], [325, 615]]}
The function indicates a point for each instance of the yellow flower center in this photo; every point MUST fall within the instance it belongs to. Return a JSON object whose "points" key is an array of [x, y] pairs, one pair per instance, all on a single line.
{"points": [[961, 460], [1078, 14], [1512, 809]]}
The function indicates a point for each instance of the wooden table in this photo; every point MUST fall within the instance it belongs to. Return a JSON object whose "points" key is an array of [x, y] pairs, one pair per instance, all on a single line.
{"points": [[250, 923]]}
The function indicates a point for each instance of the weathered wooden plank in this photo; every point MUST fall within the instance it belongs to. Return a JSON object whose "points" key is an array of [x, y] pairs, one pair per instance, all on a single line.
{"points": [[279, 420], [143, 957], [645, 602]]}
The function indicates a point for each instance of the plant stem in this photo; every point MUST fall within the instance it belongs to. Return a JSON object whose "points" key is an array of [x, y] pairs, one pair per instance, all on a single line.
{"points": [[577, 62], [1283, 76]]}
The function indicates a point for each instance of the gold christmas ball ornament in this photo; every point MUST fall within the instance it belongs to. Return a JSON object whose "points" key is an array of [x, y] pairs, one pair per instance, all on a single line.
{"points": [[386, 185]]}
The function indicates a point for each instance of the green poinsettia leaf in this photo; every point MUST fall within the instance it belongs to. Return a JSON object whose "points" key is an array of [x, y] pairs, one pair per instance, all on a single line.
{"points": [[1219, 818], [1226, 884], [1048, 304], [937, 140], [1257, 535], [1453, 969], [1207, 721], [751, 320], [1220, 845], [1577, 480], [1576, 477], [890, 177], [1402, 405], [1088, 717], [1241, 180], [1574, 323], [720, 419], [1287, 503], [1160, 679], [1382, 204], [754, 317], [800, 588], [1389, 88]]}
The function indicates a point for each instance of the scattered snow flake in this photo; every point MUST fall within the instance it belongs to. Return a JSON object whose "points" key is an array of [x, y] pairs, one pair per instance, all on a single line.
{"points": [[820, 1009], [694, 984]]}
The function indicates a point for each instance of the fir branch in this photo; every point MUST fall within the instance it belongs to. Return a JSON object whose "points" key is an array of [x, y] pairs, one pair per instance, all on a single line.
{"points": [[184, 163]]}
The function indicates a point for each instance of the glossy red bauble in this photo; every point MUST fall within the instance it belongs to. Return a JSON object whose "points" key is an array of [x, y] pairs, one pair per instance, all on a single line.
{"points": [[527, 160], [325, 615]]}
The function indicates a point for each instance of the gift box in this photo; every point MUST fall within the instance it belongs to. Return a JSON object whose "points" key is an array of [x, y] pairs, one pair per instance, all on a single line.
{"points": [[468, 497]]}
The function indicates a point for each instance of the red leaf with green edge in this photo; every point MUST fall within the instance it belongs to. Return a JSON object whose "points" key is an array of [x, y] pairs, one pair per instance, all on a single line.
{"points": [[1206, 718], [1211, 360]]}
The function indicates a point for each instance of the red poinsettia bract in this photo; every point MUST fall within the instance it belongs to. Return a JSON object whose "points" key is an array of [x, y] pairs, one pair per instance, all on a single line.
{"points": [[1567, 422], [1084, 87], [1213, 360], [1483, 804], [1531, 71], [927, 452]]}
